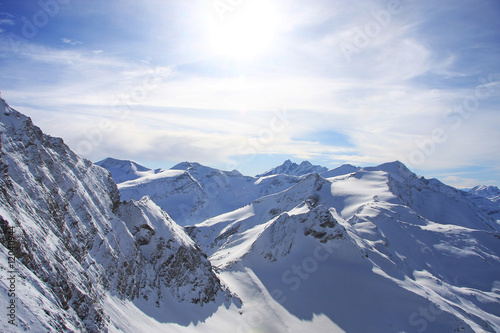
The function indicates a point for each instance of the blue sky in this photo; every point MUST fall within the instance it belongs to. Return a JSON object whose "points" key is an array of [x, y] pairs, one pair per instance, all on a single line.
{"points": [[247, 84]]}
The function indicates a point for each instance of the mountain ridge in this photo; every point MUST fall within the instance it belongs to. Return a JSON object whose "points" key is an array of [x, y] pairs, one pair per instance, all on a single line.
{"points": [[486, 191], [72, 250], [282, 253], [207, 184]]}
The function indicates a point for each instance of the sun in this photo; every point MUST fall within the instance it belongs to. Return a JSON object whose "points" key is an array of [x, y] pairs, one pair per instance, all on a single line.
{"points": [[245, 31]]}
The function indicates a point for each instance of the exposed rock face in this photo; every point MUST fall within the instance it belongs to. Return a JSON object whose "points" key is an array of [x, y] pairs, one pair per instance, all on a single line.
{"points": [[79, 242], [177, 263]]}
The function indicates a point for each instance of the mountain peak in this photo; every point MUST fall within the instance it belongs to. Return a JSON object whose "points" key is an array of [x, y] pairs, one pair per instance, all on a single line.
{"points": [[394, 164], [293, 169], [6, 113], [123, 170], [113, 162], [396, 169], [486, 191], [340, 171], [186, 166], [487, 188]]}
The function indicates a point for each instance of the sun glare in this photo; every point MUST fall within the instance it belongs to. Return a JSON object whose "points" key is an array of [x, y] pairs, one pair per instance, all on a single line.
{"points": [[244, 31]]}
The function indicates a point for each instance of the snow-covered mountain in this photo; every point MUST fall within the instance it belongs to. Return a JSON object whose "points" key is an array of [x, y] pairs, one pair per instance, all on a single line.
{"points": [[339, 171], [294, 169], [403, 253], [191, 192], [487, 198], [70, 246], [489, 192], [375, 249], [124, 170]]}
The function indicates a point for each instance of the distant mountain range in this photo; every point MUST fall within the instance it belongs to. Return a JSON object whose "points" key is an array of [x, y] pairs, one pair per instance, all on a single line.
{"points": [[489, 192], [487, 198], [299, 248], [191, 192]]}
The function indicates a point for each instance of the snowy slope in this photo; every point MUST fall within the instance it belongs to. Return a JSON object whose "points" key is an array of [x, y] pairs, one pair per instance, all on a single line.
{"points": [[362, 246], [294, 169], [71, 248]]}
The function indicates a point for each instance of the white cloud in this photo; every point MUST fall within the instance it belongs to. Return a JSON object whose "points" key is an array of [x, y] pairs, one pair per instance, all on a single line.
{"points": [[7, 21], [70, 42], [382, 118], [460, 182]]}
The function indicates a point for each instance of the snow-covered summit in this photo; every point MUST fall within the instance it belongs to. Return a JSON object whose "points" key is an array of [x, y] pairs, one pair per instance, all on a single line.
{"points": [[197, 169], [487, 198], [294, 169], [115, 163], [189, 166], [125, 170], [344, 169], [486, 191], [395, 169]]}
